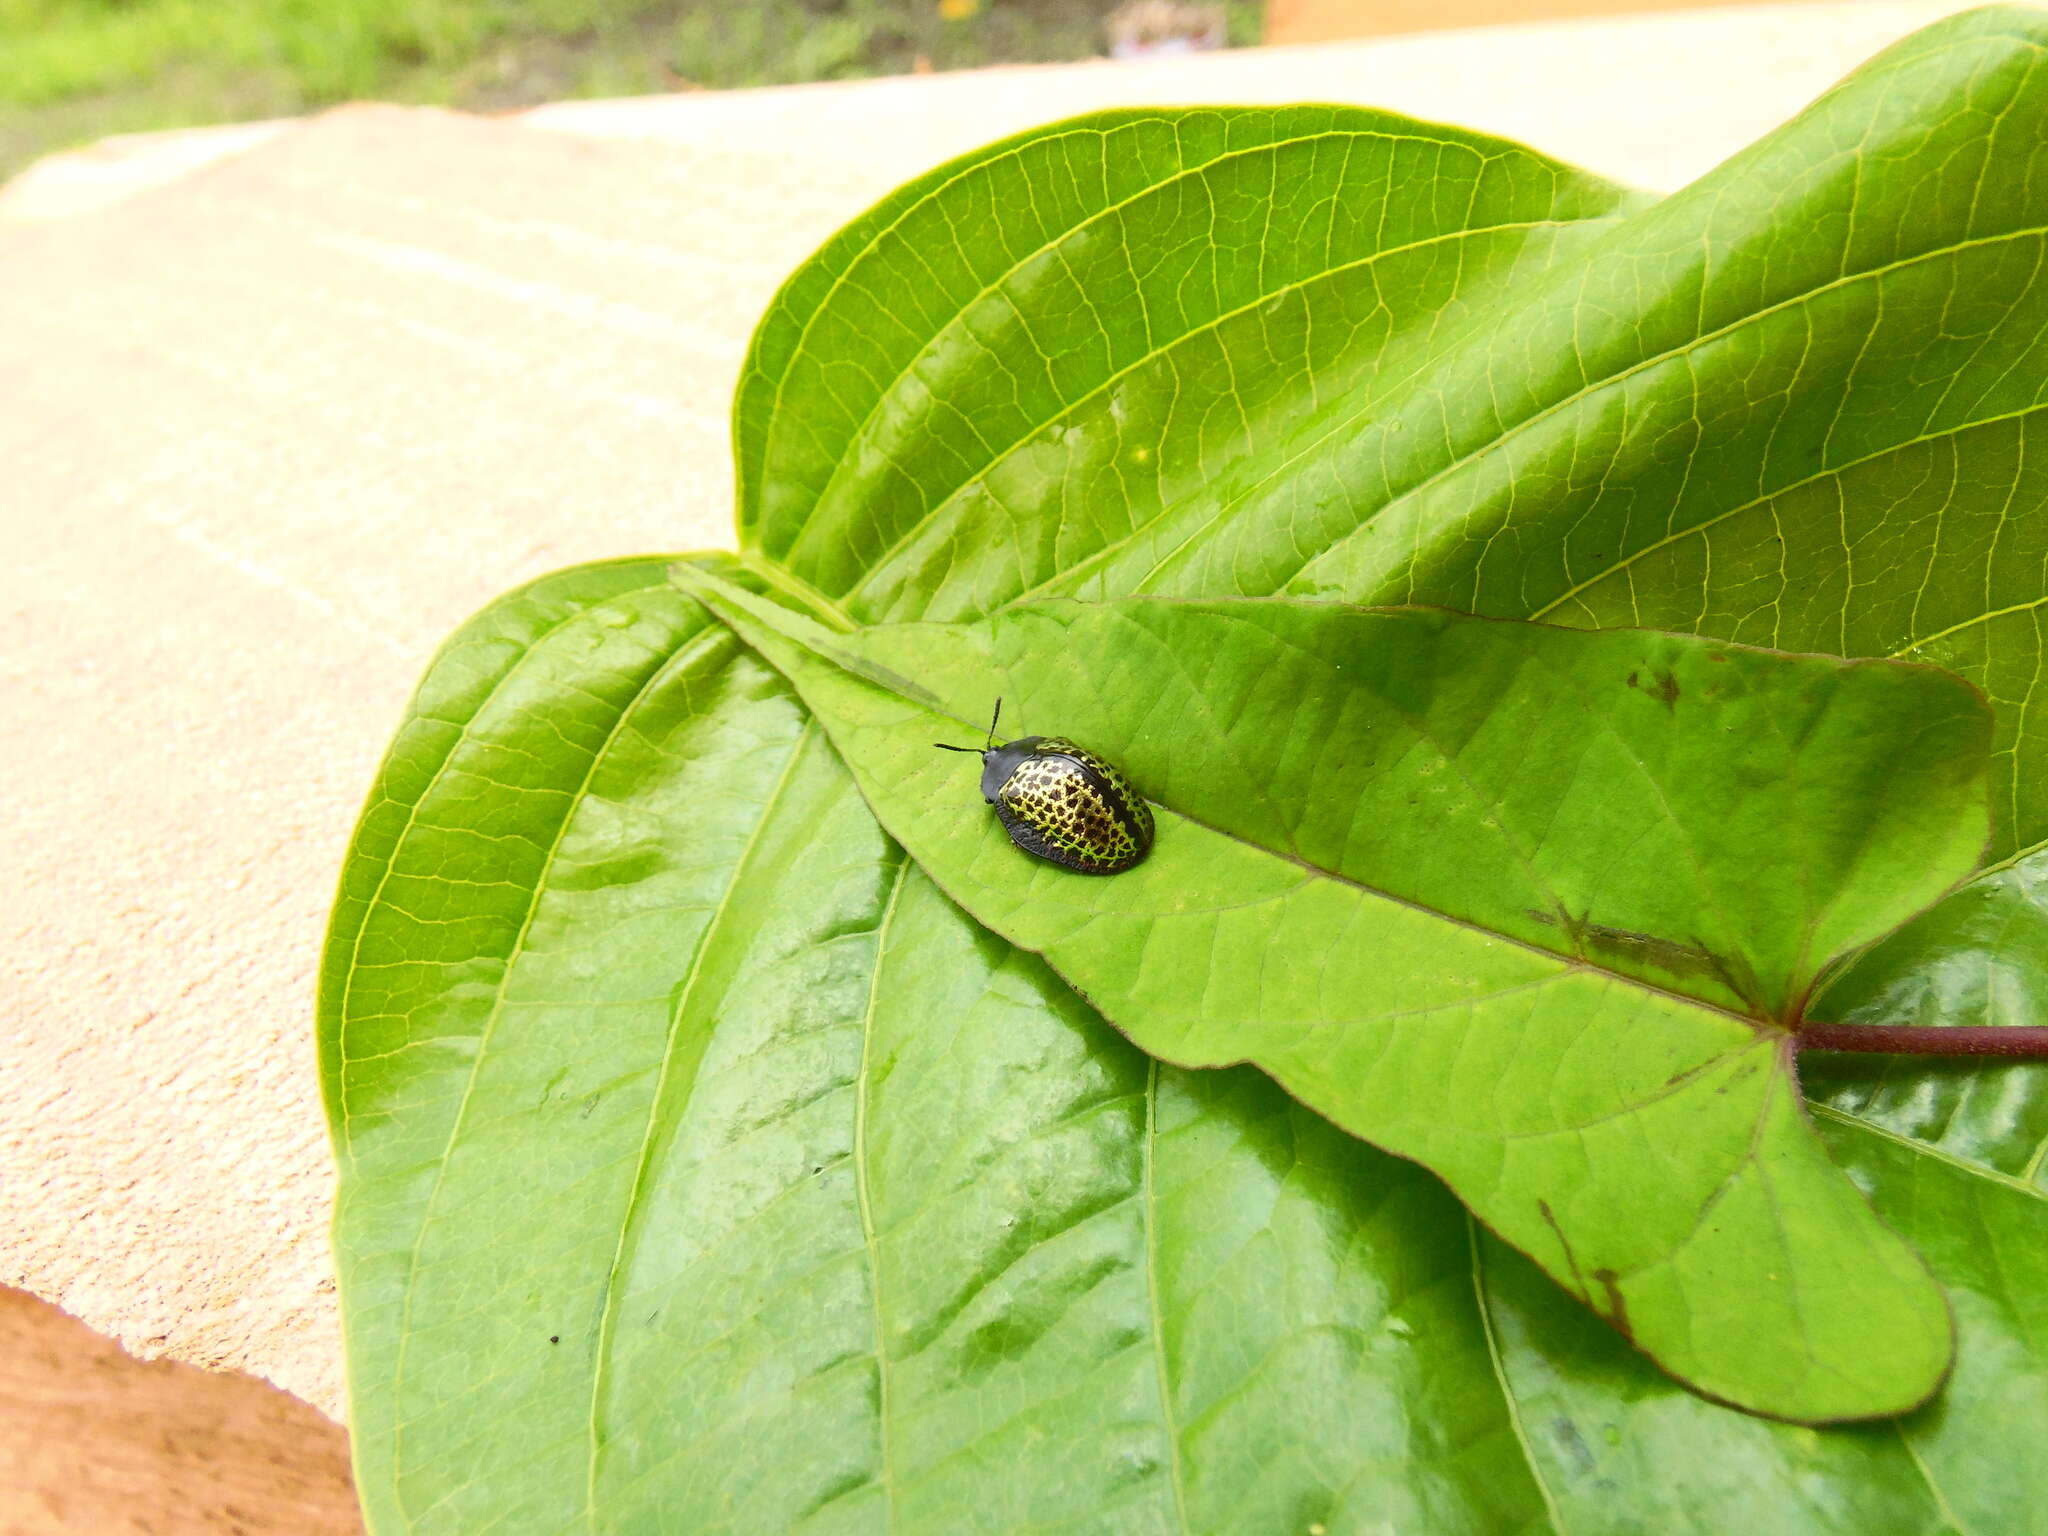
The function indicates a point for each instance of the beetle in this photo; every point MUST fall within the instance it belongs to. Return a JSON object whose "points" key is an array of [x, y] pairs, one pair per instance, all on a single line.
{"points": [[1062, 802]]}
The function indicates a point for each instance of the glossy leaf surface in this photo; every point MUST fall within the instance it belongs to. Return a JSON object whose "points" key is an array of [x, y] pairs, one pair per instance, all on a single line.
{"points": [[1979, 958]]}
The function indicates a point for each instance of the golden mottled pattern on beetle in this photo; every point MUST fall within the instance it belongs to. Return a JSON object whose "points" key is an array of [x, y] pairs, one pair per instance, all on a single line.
{"points": [[1080, 805]]}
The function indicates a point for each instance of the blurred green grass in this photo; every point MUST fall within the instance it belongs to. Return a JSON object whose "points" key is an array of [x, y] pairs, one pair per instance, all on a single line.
{"points": [[74, 70]]}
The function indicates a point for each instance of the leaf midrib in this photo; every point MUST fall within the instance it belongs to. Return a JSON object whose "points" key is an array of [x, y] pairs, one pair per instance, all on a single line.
{"points": [[723, 593], [656, 1103], [1163, 1375], [705, 641], [1942, 1508], [1927, 1149], [864, 1200], [1511, 1403]]}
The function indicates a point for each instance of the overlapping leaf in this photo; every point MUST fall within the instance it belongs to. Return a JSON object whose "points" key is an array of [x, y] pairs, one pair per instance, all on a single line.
{"points": [[606, 1039], [1329, 776]]}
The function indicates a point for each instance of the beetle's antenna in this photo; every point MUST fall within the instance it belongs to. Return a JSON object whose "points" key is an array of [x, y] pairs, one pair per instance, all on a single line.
{"points": [[979, 751]]}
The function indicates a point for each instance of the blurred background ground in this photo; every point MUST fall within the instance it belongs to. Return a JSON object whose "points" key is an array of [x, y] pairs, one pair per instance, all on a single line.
{"points": [[76, 70], [73, 70]]}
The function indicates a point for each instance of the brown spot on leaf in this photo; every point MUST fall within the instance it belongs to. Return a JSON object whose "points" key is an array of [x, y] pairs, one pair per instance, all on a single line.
{"points": [[1563, 1242], [1597, 941], [1667, 689], [1616, 1310], [1665, 954], [1668, 955]]}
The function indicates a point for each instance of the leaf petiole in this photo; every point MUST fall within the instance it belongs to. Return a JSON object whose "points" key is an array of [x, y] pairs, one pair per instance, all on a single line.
{"points": [[2026, 1041]]}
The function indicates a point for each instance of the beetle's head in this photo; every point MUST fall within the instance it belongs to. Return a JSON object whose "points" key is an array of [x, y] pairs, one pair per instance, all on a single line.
{"points": [[997, 763], [981, 752]]}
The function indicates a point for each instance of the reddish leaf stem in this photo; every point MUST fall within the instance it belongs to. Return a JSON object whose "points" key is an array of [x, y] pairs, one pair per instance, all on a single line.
{"points": [[2021, 1040]]}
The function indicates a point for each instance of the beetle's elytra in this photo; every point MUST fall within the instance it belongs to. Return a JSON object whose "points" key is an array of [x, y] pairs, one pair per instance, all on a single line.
{"points": [[1062, 802]]}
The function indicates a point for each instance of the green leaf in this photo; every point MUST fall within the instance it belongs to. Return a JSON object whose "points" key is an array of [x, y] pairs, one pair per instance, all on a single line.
{"points": [[1358, 808], [1620, 1451], [1981, 957], [1102, 312], [1828, 344], [1334, 1346]]}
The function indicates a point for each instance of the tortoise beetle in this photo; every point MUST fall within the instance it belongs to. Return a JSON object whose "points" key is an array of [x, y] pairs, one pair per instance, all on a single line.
{"points": [[1061, 802]]}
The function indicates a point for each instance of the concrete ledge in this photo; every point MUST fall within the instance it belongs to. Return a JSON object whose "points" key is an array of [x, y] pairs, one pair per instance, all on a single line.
{"points": [[102, 174]]}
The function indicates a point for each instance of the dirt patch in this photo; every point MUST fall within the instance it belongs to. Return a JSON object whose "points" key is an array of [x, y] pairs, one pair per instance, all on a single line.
{"points": [[98, 1443]]}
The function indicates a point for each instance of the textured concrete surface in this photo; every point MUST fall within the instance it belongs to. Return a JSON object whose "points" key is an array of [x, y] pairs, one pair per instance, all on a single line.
{"points": [[274, 418]]}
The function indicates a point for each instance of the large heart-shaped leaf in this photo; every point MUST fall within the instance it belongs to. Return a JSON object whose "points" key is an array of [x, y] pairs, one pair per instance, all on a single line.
{"points": [[1069, 1286]]}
